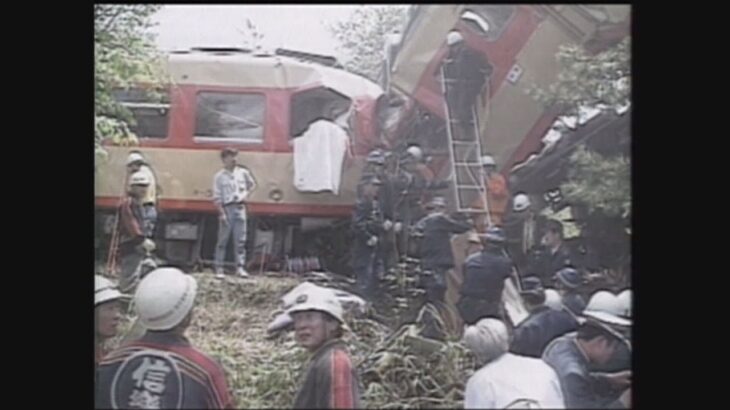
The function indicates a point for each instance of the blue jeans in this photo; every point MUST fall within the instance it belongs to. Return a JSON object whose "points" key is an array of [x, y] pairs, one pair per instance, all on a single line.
{"points": [[236, 225]]}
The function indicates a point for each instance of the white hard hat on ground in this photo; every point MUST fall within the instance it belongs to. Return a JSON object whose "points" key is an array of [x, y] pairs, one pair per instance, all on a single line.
{"points": [[105, 290], [139, 178], [164, 297], [605, 307], [521, 202], [321, 300], [454, 37], [487, 160], [134, 157]]}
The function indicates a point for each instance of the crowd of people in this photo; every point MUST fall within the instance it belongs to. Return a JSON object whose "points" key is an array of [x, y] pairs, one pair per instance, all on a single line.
{"points": [[567, 353]]}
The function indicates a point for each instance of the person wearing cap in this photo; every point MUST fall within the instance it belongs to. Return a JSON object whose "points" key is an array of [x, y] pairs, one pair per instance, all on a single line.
{"points": [[466, 71], [505, 379], [437, 258], [107, 313], [609, 308], [413, 184], [331, 380], [572, 355], [162, 369], [567, 282], [519, 227], [136, 162], [553, 254], [543, 323], [133, 243], [368, 225], [497, 195], [378, 163], [484, 276], [232, 185]]}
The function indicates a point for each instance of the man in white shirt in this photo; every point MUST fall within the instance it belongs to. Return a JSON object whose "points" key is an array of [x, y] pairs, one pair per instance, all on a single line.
{"points": [[231, 186], [506, 380]]}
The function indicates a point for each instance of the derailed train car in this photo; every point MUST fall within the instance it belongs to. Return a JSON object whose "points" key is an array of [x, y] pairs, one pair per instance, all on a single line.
{"points": [[258, 104]]}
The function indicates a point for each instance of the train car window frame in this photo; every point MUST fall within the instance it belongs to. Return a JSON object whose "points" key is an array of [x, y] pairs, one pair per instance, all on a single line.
{"points": [[493, 32], [198, 138], [138, 100]]}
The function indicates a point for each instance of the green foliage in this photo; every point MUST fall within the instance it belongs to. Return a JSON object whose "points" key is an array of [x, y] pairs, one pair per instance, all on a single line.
{"points": [[124, 53], [362, 37], [602, 183], [601, 80]]}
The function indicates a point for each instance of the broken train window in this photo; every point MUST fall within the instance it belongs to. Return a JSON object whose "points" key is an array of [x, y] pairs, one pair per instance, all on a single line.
{"points": [[230, 116]]}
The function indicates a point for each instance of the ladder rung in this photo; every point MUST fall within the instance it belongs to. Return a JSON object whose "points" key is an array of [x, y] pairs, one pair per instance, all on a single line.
{"points": [[467, 164], [464, 142]]}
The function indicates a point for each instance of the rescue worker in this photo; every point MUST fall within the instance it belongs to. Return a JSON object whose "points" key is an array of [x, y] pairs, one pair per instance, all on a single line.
{"points": [[519, 227], [435, 250], [330, 380], [162, 369], [567, 282], [542, 325], [133, 245], [497, 195], [552, 256], [506, 380], [107, 312], [377, 165], [368, 225], [608, 308], [232, 185], [484, 276], [412, 182], [571, 357], [466, 71], [137, 163]]}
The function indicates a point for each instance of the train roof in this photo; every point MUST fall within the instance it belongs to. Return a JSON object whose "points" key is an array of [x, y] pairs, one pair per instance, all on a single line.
{"points": [[233, 67]]}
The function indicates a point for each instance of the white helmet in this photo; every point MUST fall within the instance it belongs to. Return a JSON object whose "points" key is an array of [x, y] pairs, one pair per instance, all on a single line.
{"points": [[134, 157], [487, 160], [521, 202], [454, 37], [322, 300], [605, 307], [624, 299], [139, 178], [164, 297], [415, 152], [104, 290], [553, 299]]}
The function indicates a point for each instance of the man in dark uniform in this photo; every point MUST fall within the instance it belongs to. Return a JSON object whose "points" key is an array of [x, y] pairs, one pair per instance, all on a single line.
{"points": [[368, 225], [567, 282], [466, 72], [411, 181], [436, 256], [162, 369], [553, 255], [378, 163], [484, 276], [542, 325]]}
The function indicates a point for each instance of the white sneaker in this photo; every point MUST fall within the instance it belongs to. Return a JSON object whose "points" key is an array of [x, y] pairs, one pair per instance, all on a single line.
{"points": [[219, 274], [242, 273]]}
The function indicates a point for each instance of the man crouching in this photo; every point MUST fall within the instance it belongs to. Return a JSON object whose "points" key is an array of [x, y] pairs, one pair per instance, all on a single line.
{"points": [[331, 380]]}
